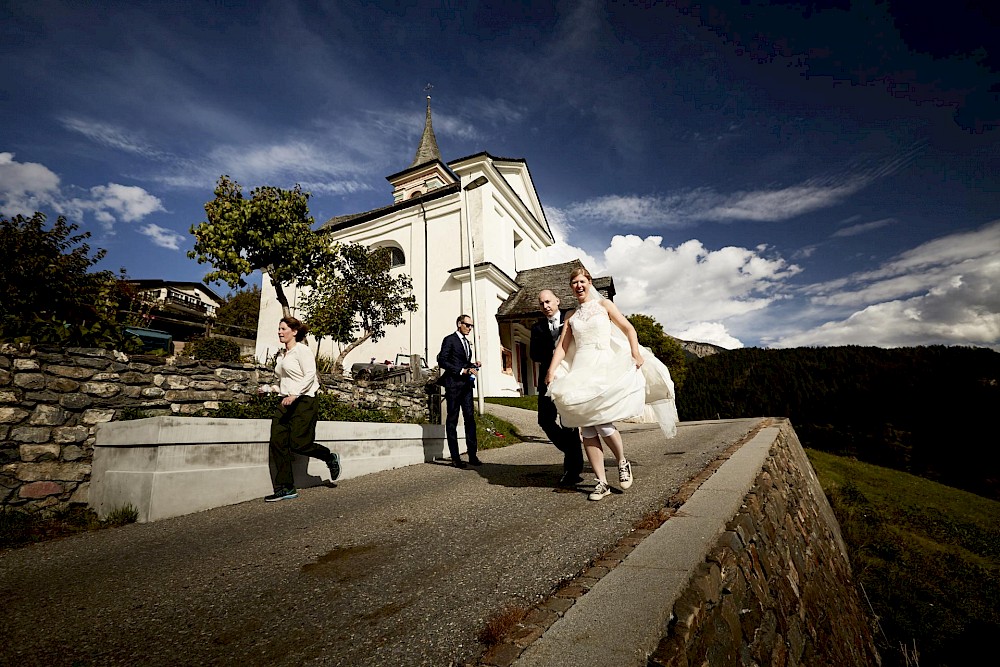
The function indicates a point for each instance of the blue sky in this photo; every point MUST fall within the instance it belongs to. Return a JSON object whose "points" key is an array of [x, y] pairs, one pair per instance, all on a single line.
{"points": [[752, 174]]}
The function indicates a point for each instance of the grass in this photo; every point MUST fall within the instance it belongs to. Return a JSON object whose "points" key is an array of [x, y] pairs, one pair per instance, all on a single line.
{"points": [[20, 528], [493, 432], [927, 556], [524, 402]]}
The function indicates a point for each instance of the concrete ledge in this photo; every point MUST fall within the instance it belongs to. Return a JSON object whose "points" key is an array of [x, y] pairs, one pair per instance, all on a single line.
{"points": [[170, 466], [621, 620]]}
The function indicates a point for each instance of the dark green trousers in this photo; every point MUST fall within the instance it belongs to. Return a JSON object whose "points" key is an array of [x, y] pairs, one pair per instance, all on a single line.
{"points": [[293, 431]]}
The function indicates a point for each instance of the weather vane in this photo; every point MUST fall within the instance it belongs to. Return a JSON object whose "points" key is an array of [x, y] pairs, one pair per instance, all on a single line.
{"points": [[428, 88]]}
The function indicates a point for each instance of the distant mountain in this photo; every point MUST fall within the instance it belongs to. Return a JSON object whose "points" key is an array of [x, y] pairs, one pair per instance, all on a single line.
{"points": [[696, 350]]}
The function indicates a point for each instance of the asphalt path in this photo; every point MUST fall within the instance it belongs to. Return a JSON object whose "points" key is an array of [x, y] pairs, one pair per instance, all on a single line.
{"points": [[401, 567]]}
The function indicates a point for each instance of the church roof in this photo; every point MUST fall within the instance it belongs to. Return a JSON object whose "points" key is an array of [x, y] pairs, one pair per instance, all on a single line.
{"points": [[341, 221], [428, 150], [523, 304]]}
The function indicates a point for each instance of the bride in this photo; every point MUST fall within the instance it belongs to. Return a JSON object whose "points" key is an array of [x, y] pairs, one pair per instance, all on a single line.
{"points": [[599, 373]]}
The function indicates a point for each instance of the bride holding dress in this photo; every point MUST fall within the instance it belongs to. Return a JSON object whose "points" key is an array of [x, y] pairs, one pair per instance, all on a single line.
{"points": [[599, 374]]}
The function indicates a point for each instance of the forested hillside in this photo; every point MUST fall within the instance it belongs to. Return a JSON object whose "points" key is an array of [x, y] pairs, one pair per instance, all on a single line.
{"points": [[931, 411]]}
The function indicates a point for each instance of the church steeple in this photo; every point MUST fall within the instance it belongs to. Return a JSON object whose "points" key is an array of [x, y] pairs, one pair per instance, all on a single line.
{"points": [[428, 149]]}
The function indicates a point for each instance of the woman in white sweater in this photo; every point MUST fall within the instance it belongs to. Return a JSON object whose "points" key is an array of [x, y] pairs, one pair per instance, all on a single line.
{"points": [[293, 428]]}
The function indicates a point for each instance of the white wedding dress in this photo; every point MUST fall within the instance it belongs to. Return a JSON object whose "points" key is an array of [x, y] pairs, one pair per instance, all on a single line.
{"points": [[598, 382]]}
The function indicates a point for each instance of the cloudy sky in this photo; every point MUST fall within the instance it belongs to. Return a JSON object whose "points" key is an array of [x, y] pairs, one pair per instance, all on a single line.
{"points": [[751, 173]]}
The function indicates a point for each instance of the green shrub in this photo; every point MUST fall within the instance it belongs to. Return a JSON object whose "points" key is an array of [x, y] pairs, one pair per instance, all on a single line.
{"points": [[331, 409], [120, 516], [217, 349]]}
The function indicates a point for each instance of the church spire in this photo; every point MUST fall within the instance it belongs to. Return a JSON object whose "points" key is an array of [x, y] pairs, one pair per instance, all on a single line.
{"points": [[428, 150]]}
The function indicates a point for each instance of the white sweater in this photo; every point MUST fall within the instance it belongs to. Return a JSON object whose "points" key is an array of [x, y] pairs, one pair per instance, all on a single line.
{"points": [[296, 372]]}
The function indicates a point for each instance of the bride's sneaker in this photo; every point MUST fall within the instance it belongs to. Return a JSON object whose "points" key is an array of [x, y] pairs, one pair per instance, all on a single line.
{"points": [[625, 474], [600, 491]]}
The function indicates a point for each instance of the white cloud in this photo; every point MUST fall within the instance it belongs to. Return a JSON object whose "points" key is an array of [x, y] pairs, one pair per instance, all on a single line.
{"points": [[163, 237], [26, 187], [710, 332], [943, 291], [864, 227], [113, 203], [112, 137], [688, 289]]}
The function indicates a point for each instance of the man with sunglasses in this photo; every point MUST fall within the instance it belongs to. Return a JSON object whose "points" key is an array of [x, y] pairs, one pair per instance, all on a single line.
{"points": [[458, 373]]}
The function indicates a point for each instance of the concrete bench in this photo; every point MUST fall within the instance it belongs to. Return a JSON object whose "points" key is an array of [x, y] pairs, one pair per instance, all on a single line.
{"points": [[170, 466]]}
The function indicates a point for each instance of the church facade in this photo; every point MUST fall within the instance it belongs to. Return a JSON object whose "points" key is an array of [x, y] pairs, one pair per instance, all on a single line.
{"points": [[463, 231]]}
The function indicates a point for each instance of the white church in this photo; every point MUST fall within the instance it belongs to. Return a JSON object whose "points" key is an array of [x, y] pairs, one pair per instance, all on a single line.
{"points": [[480, 206]]}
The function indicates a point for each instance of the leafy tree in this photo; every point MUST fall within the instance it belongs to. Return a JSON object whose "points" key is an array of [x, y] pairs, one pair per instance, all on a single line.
{"points": [[664, 347], [238, 314], [272, 231], [47, 282], [356, 298]]}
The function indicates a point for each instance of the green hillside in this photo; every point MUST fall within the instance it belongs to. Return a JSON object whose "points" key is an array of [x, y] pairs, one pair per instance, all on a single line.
{"points": [[927, 557], [930, 411]]}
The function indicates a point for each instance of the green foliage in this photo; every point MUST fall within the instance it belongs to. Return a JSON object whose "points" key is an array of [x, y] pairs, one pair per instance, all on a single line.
{"points": [[664, 347], [219, 349], [238, 314], [120, 516], [356, 298], [523, 402], [264, 406], [927, 556], [272, 230], [50, 293], [923, 410], [131, 414]]}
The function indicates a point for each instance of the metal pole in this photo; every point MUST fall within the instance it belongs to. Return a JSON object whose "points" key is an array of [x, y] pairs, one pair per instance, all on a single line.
{"points": [[472, 280]]}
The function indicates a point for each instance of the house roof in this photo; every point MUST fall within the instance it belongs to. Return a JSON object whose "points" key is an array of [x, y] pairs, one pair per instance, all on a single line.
{"points": [[156, 283], [523, 304]]}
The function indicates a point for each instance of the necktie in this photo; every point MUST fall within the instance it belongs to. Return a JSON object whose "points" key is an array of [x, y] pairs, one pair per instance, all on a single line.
{"points": [[554, 327], [468, 350]]}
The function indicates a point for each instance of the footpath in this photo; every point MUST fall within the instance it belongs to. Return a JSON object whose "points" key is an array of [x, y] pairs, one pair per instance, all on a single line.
{"points": [[402, 567]]}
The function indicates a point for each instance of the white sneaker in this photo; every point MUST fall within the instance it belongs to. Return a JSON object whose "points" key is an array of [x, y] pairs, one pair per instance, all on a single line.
{"points": [[600, 491], [625, 474]]}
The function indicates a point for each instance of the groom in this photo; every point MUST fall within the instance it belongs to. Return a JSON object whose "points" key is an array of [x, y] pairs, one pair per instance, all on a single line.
{"points": [[544, 336]]}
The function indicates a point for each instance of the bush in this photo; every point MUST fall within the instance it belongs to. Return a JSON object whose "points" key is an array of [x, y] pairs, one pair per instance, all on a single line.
{"points": [[330, 409], [218, 349]]}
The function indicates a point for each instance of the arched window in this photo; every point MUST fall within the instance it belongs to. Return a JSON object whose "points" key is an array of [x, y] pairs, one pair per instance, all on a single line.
{"points": [[398, 258]]}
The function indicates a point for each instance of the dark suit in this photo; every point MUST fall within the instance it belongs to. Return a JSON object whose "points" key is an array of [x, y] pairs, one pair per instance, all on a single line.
{"points": [[566, 439], [457, 393]]}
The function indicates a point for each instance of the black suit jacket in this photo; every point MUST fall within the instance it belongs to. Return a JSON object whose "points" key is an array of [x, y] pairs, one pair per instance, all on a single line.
{"points": [[542, 345], [452, 361]]}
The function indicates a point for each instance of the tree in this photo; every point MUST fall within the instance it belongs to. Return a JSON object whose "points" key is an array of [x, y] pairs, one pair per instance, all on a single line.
{"points": [[272, 231], [664, 347], [46, 278], [356, 298], [238, 314]]}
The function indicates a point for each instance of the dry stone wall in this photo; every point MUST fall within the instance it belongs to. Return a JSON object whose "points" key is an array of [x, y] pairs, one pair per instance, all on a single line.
{"points": [[51, 400], [777, 588]]}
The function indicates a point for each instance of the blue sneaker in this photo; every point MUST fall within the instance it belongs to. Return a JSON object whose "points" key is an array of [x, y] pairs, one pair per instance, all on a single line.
{"points": [[281, 494], [334, 465]]}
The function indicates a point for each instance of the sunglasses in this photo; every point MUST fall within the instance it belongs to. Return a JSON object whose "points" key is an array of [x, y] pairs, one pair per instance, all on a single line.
{"points": [[467, 324]]}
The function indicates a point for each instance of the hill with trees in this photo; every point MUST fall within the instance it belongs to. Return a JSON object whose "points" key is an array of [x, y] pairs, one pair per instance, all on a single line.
{"points": [[924, 410]]}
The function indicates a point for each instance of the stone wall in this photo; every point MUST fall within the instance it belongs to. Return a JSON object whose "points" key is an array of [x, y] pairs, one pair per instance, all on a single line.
{"points": [[777, 587], [51, 400]]}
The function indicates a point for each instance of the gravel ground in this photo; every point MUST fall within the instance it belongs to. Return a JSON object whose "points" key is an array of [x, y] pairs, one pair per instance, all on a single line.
{"points": [[401, 567]]}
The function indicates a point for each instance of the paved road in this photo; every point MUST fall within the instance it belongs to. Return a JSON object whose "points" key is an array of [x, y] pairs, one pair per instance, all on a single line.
{"points": [[401, 567]]}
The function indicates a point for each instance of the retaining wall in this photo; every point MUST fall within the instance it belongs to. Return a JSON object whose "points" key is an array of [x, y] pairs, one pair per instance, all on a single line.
{"points": [[776, 588], [52, 399]]}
